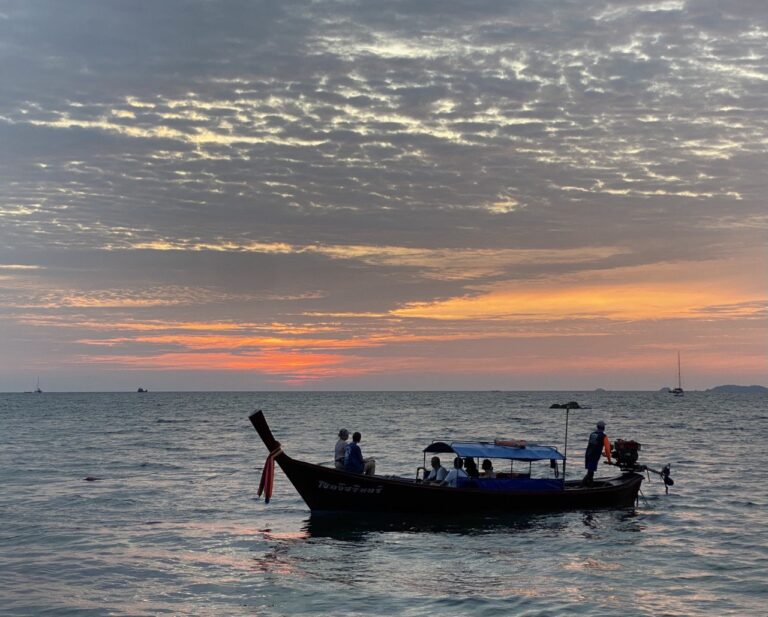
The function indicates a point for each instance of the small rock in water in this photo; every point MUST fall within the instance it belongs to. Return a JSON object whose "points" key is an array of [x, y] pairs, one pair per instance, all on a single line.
{"points": [[91, 479]]}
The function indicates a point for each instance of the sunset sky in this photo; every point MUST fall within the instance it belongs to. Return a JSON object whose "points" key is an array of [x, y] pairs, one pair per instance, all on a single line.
{"points": [[514, 195]]}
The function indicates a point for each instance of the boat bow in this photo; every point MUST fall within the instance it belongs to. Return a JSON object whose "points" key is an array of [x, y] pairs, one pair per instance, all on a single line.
{"points": [[262, 428]]}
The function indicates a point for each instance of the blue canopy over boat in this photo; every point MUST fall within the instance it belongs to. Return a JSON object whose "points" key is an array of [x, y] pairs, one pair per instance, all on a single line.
{"points": [[484, 449]]}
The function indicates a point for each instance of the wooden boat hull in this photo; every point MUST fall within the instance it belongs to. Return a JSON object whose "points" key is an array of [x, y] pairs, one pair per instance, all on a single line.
{"points": [[326, 489]]}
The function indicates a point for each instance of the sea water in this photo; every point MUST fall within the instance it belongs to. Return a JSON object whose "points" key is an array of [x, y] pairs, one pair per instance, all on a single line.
{"points": [[169, 523]]}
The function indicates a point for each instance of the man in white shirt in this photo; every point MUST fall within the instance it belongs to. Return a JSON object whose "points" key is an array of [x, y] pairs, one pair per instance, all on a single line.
{"points": [[438, 472], [455, 474], [341, 449]]}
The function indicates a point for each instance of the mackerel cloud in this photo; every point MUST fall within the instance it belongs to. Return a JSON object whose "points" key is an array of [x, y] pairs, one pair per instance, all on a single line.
{"points": [[421, 150]]}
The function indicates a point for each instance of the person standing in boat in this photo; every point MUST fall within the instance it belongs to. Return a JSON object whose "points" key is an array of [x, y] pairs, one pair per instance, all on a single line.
{"points": [[438, 472], [455, 474], [354, 461], [597, 445], [340, 452]]}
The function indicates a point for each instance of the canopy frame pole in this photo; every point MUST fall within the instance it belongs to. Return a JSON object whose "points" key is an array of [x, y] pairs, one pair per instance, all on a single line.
{"points": [[565, 447]]}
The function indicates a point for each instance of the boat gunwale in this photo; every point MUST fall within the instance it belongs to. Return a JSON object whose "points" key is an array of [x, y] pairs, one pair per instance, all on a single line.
{"points": [[601, 485]]}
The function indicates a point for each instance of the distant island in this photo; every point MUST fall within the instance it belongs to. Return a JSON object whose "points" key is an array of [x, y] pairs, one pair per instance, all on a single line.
{"points": [[740, 389]]}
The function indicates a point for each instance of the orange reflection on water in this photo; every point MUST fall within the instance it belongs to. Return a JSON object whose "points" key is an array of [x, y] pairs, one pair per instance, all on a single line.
{"points": [[679, 603], [197, 558], [273, 563], [238, 529], [286, 535], [591, 564]]}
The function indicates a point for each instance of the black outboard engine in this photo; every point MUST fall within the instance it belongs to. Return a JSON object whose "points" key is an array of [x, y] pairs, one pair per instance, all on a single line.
{"points": [[625, 453]]}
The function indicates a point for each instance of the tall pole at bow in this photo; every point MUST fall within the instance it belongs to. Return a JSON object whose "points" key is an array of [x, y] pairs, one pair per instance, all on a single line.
{"points": [[565, 447], [567, 407]]}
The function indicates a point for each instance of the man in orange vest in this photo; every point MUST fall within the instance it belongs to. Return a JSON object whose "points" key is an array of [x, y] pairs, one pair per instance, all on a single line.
{"points": [[598, 444]]}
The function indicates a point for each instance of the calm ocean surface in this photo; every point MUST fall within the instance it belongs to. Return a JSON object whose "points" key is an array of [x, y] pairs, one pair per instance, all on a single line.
{"points": [[173, 527]]}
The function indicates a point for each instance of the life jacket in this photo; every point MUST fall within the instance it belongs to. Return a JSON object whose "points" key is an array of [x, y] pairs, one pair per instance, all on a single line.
{"points": [[354, 459], [595, 445]]}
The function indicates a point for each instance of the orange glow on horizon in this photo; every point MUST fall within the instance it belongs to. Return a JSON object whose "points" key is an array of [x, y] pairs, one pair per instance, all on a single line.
{"points": [[620, 321], [607, 295], [211, 342], [295, 365]]}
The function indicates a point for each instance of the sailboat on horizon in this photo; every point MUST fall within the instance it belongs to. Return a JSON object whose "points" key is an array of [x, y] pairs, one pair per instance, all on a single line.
{"points": [[37, 389], [679, 390]]}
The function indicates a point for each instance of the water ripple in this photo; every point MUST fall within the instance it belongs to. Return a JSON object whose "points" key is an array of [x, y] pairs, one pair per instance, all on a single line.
{"points": [[172, 526]]}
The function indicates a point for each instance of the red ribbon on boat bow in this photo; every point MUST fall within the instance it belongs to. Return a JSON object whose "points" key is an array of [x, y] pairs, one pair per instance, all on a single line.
{"points": [[268, 475]]}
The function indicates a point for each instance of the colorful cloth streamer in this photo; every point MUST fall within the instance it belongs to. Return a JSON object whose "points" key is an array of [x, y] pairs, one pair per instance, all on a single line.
{"points": [[268, 475]]}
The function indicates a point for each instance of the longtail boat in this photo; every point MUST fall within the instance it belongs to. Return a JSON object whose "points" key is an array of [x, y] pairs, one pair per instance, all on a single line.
{"points": [[326, 489]]}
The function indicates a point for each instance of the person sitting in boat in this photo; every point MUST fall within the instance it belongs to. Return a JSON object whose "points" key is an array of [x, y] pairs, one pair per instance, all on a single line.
{"points": [[455, 474], [340, 452], [354, 461], [438, 472], [488, 471], [471, 467], [598, 445]]}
